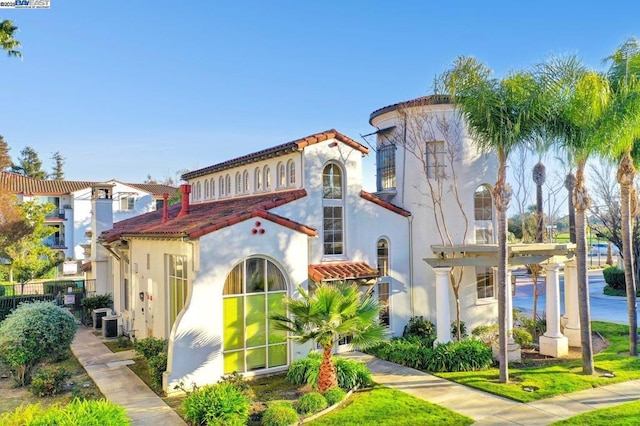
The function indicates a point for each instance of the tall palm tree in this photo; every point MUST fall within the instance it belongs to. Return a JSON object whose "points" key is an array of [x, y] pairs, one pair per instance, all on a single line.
{"points": [[580, 98], [333, 312], [623, 126], [7, 41], [500, 114]]}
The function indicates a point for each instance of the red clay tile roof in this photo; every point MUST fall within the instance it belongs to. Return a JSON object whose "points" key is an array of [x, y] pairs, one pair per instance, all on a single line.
{"points": [[342, 271], [421, 101], [155, 189], [19, 184], [379, 201], [276, 151], [204, 218]]}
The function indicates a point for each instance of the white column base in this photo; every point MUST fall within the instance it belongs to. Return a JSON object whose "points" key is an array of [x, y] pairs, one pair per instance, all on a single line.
{"points": [[574, 336], [556, 347], [514, 352]]}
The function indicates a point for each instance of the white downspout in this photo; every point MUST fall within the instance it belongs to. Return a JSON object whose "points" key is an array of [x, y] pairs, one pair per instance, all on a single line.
{"points": [[411, 307]]}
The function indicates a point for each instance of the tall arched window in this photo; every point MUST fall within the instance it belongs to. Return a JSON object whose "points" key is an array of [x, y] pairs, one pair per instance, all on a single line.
{"points": [[213, 188], [383, 256], [267, 177], [206, 188], [292, 172], [332, 209], [253, 292], [221, 186], [199, 191], [227, 185], [258, 179], [483, 214], [282, 175], [245, 182], [383, 288], [238, 183]]}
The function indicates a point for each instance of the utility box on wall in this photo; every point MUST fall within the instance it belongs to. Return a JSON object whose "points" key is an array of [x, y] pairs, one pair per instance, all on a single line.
{"points": [[110, 326]]}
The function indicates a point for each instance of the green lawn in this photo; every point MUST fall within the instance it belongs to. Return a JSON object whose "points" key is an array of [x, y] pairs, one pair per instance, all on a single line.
{"points": [[622, 415], [559, 378], [382, 406]]}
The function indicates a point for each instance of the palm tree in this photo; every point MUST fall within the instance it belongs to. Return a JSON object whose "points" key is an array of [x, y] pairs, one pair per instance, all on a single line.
{"points": [[624, 125], [580, 98], [333, 312], [500, 114], [7, 42]]}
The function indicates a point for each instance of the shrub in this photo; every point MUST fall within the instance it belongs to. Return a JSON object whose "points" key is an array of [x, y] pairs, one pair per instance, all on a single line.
{"points": [[487, 334], [350, 373], [404, 351], [236, 379], [522, 337], [48, 380], [123, 342], [157, 365], [3, 290], [97, 301], [32, 333], [305, 370], [334, 395], [614, 277], [454, 330], [310, 403], [150, 347], [279, 415], [77, 412], [420, 327], [537, 327], [219, 404]]}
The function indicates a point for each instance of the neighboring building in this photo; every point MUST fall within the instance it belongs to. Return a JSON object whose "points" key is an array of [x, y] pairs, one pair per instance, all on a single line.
{"points": [[72, 200]]}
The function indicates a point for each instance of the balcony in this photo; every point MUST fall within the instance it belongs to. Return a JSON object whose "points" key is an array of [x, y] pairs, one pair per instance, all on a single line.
{"points": [[56, 214], [54, 242]]}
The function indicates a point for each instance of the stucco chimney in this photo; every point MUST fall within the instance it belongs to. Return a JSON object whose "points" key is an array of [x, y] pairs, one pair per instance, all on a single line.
{"points": [[186, 190], [165, 207]]}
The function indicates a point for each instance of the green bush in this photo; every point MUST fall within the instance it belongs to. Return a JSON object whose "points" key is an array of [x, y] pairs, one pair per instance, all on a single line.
{"points": [[350, 373], [310, 403], [3, 290], [334, 395], [522, 337], [157, 365], [78, 412], [219, 404], [454, 330], [236, 379], [97, 301], [150, 347], [32, 333], [614, 277], [487, 334], [409, 352], [279, 415], [422, 328], [48, 380], [537, 327]]}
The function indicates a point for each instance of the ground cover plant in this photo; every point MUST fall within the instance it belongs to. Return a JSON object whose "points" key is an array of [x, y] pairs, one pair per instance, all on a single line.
{"points": [[78, 412], [533, 383], [620, 415], [388, 407]]}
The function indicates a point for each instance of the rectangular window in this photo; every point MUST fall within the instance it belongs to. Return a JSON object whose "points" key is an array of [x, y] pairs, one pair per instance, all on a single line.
{"points": [[127, 203], [159, 204], [483, 236], [177, 284], [383, 303], [386, 167], [435, 159], [126, 291], [484, 282], [332, 230]]}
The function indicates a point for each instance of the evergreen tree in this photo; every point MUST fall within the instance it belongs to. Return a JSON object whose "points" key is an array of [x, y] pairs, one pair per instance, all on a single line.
{"points": [[29, 164], [58, 163], [5, 159]]}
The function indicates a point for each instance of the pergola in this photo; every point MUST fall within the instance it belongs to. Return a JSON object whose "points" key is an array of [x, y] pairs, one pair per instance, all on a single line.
{"points": [[553, 342]]}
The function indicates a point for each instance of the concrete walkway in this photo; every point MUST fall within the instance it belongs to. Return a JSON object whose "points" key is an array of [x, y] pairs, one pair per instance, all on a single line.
{"points": [[489, 409], [119, 384]]}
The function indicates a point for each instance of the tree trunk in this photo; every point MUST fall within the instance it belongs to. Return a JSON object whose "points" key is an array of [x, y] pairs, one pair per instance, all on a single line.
{"points": [[569, 183], [328, 377], [502, 196], [581, 203], [539, 177], [626, 173]]}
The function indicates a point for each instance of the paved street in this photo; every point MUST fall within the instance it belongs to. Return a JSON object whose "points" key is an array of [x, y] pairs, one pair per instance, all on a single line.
{"points": [[603, 308]]}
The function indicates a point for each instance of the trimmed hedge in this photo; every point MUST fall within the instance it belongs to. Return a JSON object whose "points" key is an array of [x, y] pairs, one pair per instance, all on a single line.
{"points": [[614, 277]]}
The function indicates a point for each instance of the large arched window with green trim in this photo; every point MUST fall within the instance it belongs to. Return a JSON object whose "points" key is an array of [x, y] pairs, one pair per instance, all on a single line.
{"points": [[253, 292]]}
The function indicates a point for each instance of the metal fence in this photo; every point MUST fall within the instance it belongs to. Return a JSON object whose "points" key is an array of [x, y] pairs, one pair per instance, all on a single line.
{"points": [[66, 293]]}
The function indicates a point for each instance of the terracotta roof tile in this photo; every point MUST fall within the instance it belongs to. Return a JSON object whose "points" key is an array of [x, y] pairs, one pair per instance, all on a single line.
{"points": [[20, 184], [421, 101], [276, 151], [341, 271], [387, 205], [155, 189], [204, 218]]}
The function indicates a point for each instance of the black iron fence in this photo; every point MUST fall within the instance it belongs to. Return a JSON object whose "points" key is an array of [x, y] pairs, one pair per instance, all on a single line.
{"points": [[66, 293]]}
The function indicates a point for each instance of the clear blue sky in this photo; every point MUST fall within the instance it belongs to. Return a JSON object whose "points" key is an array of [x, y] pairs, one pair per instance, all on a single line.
{"points": [[128, 88]]}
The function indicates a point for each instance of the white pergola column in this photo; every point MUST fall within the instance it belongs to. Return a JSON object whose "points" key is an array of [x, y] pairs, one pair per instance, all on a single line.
{"points": [[553, 343], [572, 327], [443, 304], [509, 291]]}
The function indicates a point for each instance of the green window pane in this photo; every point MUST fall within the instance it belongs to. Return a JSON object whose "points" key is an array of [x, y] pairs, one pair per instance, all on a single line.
{"points": [[256, 321], [233, 361], [276, 307], [233, 333], [278, 355], [256, 359], [255, 275]]}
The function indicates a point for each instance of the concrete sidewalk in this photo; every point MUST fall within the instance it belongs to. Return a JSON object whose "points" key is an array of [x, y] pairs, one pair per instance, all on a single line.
{"points": [[489, 409], [119, 384]]}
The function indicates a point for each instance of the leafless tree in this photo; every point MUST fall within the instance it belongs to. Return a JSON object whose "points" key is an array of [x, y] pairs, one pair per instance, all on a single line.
{"points": [[522, 185]]}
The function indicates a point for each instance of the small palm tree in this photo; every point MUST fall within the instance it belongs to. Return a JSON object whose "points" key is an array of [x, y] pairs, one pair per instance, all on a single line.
{"points": [[333, 312]]}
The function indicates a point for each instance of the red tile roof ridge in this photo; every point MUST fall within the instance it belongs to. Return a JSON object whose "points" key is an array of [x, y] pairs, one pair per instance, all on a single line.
{"points": [[420, 101], [382, 203]]}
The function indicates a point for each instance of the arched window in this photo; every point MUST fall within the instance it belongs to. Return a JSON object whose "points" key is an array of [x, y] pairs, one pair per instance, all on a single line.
{"points": [[199, 191], [483, 214], [245, 182], [267, 177], [238, 183], [227, 185], [258, 179], [383, 256], [282, 175], [213, 188], [206, 189], [332, 209], [221, 186], [383, 288], [292, 172], [253, 292]]}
